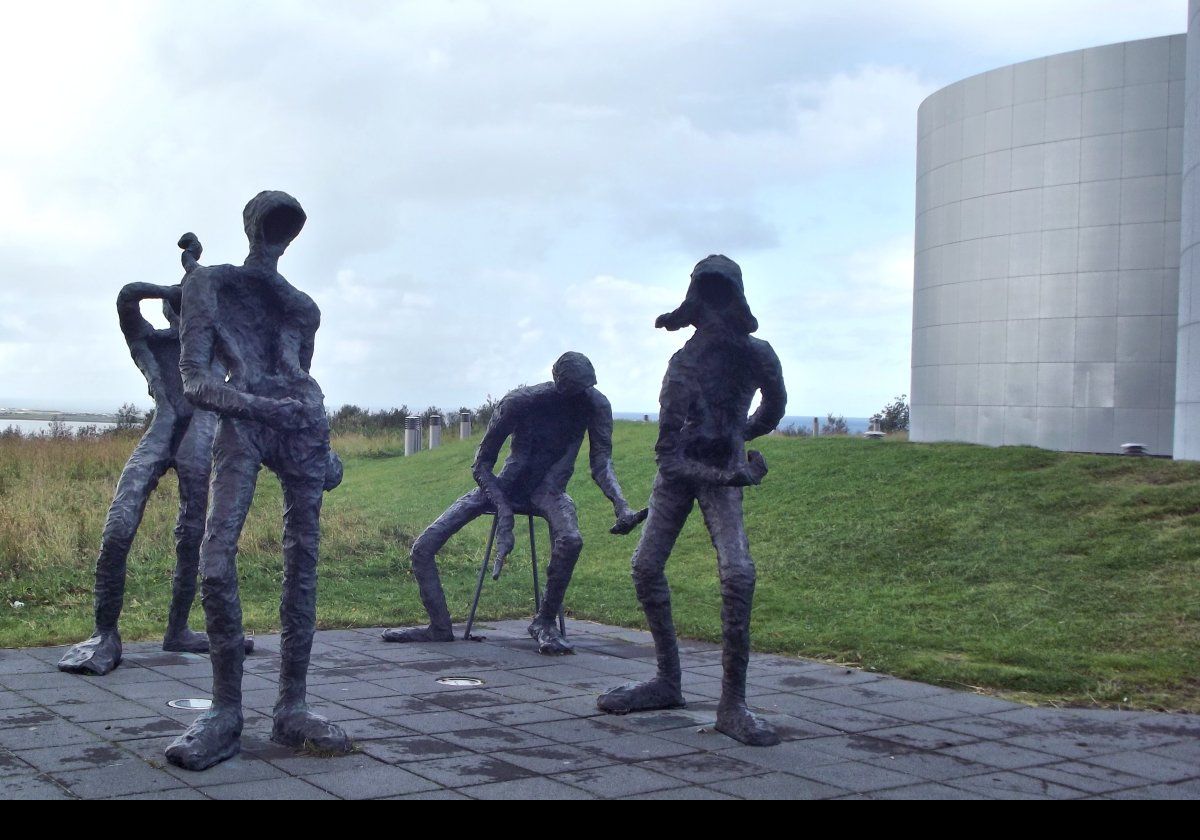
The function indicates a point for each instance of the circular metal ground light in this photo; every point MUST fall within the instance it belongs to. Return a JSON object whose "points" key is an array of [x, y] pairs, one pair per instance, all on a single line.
{"points": [[459, 681], [191, 704]]}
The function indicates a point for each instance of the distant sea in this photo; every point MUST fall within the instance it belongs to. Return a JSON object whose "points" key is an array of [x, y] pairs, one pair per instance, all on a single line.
{"points": [[855, 425]]}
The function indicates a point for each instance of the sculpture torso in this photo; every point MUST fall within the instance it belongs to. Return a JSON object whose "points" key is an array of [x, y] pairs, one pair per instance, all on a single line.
{"points": [[548, 431]]}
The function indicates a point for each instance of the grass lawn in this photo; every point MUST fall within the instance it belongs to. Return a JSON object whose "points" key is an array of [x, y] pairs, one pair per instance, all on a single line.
{"points": [[1047, 576]]}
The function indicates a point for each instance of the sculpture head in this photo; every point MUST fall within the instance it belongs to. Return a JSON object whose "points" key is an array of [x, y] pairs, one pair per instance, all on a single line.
{"points": [[573, 374], [272, 220], [715, 297]]}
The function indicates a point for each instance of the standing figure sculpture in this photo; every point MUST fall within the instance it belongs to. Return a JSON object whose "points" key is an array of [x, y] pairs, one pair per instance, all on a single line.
{"points": [[179, 437], [261, 329], [546, 423], [706, 394]]}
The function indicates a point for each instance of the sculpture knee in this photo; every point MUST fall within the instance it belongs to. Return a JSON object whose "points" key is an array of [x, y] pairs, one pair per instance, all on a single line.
{"points": [[650, 582], [738, 579], [568, 546]]}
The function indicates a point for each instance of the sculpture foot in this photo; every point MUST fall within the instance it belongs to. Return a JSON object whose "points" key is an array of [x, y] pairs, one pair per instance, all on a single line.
{"points": [[190, 641], [214, 737], [417, 634], [741, 725], [95, 657], [550, 641], [298, 727], [657, 693]]}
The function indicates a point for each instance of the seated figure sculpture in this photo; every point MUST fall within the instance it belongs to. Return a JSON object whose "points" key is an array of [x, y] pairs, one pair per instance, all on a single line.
{"points": [[703, 426], [261, 329], [179, 437], [547, 423]]}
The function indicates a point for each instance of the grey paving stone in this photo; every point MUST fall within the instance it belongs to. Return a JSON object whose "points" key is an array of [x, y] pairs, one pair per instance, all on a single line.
{"points": [[703, 768], [862, 694], [495, 738], [241, 769], [554, 758], [858, 777], [31, 787], [77, 757], [372, 782], [811, 678], [613, 781], [915, 711], [849, 719], [1062, 744], [411, 748], [858, 747], [132, 776], [18, 662], [1001, 754], [433, 794], [1088, 778], [371, 728], [1185, 751], [341, 692], [304, 764], [12, 765], [284, 787], [927, 791], [777, 786], [1156, 768], [155, 693], [660, 720], [175, 794], [55, 733], [537, 789], [11, 700], [789, 757], [987, 728], [637, 747], [516, 714], [924, 736], [975, 704], [433, 723], [465, 770], [1013, 785], [687, 793], [574, 731], [931, 766], [1176, 790], [390, 705], [583, 705], [536, 691], [135, 729], [465, 700], [116, 709]]}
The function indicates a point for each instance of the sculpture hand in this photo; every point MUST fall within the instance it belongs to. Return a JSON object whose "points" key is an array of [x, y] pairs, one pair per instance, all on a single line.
{"points": [[627, 520], [755, 468], [287, 414], [504, 537]]}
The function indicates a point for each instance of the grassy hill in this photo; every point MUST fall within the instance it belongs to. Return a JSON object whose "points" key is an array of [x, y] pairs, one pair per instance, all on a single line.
{"points": [[1048, 576]]}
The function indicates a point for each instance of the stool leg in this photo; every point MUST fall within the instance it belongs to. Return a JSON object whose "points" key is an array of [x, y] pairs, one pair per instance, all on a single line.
{"points": [[487, 556], [537, 594]]}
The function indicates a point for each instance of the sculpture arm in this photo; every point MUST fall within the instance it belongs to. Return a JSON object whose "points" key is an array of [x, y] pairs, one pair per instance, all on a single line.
{"points": [[198, 339], [774, 395], [600, 430], [499, 428], [129, 312]]}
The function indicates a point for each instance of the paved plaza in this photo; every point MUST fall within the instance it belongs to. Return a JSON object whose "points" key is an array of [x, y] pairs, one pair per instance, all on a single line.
{"points": [[530, 729]]}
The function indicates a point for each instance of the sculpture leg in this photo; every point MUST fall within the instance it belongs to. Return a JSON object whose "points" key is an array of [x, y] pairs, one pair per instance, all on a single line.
{"points": [[722, 509], [566, 543], [294, 724], [215, 735], [150, 459], [670, 504], [193, 463], [424, 567]]}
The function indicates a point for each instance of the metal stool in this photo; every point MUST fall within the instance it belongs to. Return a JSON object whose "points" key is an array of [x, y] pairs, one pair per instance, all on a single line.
{"points": [[487, 556]]}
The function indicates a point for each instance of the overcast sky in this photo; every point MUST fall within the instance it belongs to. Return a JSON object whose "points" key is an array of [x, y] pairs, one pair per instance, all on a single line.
{"points": [[490, 184]]}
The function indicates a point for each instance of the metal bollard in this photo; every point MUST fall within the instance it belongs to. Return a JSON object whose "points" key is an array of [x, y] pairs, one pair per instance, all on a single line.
{"points": [[412, 435], [464, 425], [816, 427], [435, 431]]}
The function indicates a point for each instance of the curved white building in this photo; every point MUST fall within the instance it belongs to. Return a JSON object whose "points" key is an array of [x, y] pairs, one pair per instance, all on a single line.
{"points": [[1187, 381], [1048, 280]]}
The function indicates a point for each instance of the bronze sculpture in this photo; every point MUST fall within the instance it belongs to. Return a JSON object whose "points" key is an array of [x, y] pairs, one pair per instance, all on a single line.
{"points": [[703, 426], [546, 423], [262, 330]]}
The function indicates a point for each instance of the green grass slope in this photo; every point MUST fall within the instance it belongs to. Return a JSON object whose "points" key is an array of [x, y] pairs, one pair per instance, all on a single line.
{"points": [[1049, 576]]}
